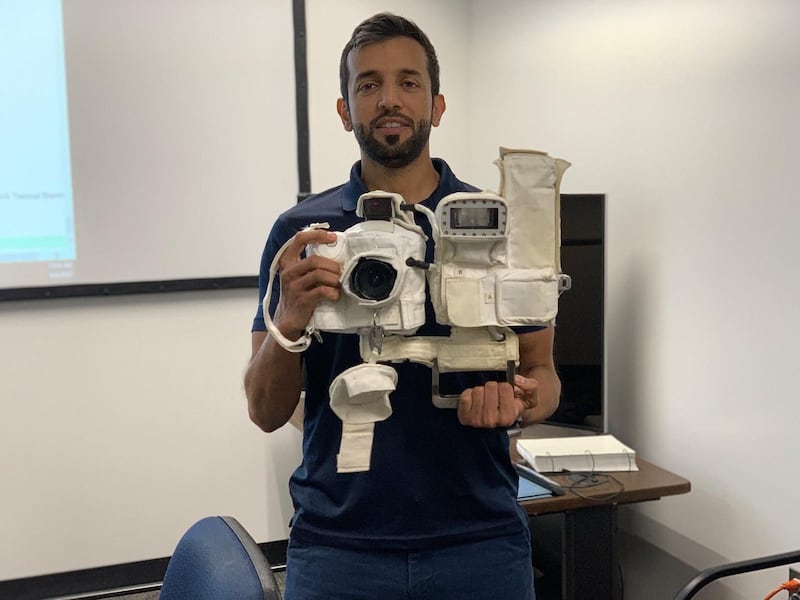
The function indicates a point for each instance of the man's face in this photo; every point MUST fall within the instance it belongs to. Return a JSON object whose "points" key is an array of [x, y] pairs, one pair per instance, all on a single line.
{"points": [[390, 107]]}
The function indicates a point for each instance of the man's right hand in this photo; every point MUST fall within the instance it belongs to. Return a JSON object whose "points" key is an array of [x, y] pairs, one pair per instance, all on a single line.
{"points": [[305, 282]]}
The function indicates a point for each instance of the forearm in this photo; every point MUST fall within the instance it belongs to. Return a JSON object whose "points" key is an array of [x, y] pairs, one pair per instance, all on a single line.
{"points": [[536, 363], [272, 383]]}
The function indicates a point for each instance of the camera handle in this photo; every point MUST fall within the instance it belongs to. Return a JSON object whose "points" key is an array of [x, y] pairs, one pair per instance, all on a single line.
{"points": [[451, 400]]}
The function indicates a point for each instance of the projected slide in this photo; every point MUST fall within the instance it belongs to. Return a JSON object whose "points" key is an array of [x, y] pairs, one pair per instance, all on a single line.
{"points": [[36, 209], [138, 143]]}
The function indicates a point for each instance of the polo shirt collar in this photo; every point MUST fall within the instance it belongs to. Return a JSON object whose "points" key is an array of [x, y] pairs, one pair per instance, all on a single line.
{"points": [[355, 187]]}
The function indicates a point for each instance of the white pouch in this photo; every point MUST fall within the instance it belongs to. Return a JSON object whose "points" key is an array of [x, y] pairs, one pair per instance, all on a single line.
{"points": [[526, 296], [360, 398]]}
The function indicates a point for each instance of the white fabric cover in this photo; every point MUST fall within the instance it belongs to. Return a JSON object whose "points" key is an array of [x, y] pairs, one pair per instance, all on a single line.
{"points": [[360, 397], [518, 285], [404, 311], [361, 393], [530, 182]]}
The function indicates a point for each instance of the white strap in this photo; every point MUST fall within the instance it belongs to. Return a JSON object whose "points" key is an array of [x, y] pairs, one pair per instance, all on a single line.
{"points": [[304, 341], [355, 450], [466, 349]]}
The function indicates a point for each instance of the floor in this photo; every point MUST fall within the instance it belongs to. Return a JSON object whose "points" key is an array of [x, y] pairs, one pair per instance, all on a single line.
{"points": [[280, 577]]}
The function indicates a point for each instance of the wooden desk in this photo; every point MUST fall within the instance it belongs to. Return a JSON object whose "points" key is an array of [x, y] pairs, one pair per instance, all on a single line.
{"points": [[575, 539]]}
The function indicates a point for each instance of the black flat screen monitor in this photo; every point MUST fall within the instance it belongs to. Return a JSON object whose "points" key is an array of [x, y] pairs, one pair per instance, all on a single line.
{"points": [[579, 336]]}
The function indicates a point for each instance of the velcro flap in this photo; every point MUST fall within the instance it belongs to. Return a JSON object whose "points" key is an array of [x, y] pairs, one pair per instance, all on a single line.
{"points": [[463, 296], [527, 296], [361, 393]]}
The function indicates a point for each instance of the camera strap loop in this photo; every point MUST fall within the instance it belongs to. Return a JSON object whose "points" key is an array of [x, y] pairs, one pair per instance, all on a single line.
{"points": [[304, 341]]}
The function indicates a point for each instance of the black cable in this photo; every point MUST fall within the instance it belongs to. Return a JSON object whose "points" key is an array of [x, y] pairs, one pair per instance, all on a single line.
{"points": [[584, 480]]}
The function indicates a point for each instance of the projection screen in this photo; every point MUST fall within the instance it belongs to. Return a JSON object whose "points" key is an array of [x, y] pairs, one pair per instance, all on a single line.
{"points": [[141, 141]]}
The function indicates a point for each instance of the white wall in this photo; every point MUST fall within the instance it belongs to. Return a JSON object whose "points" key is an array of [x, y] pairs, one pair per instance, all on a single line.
{"points": [[121, 417], [123, 422], [685, 114], [333, 150]]}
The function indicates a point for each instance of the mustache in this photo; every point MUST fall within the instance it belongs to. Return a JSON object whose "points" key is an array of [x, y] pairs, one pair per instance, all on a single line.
{"points": [[394, 114]]}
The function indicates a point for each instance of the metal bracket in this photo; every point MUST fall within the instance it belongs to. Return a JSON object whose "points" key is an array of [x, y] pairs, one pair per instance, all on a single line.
{"points": [[451, 400]]}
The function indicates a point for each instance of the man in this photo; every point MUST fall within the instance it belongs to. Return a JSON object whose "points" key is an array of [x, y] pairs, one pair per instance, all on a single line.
{"points": [[436, 515]]}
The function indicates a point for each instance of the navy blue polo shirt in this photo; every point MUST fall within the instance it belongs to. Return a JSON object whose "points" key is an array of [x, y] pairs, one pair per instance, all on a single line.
{"points": [[432, 481]]}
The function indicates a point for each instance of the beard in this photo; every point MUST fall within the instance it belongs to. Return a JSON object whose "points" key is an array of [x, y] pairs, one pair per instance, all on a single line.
{"points": [[393, 154]]}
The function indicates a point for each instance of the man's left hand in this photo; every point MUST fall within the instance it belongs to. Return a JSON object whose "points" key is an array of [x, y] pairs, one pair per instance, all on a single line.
{"points": [[497, 404]]}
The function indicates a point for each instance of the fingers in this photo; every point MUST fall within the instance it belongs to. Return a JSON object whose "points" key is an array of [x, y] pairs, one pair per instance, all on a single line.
{"points": [[293, 255], [497, 404], [315, 274], [306, 281], [295, 266], [464, 408], [488, 406], [527, 390], [507, 408]]}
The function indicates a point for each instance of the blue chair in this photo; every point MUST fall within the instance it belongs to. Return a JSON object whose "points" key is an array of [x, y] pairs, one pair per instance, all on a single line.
{"points": [[216, 559]]}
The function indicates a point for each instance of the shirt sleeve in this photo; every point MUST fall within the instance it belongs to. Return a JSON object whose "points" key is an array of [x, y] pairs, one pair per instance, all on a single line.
{"points": [[281, 232]]}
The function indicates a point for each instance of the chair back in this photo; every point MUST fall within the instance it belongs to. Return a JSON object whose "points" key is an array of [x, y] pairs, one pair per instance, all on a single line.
{"points": [[216, 559]]}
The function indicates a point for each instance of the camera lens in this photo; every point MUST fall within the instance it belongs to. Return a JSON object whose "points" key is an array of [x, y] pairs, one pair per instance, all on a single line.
{"points": [[373, 279]]}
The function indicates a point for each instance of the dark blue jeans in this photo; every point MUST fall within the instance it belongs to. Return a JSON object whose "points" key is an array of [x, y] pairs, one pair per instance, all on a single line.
{"points": [[493, 569]]}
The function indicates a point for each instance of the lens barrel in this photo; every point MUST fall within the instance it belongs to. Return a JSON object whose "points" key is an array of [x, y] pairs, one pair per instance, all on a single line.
{"points": [[373, 279]]}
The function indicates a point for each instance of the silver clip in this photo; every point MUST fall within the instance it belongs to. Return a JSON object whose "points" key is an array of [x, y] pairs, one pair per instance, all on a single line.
{"points": [[496, 333], [375, 335], [564, 282]]}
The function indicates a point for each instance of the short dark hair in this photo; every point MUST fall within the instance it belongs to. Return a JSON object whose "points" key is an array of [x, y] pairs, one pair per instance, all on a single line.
{"points": [[385, 26]]}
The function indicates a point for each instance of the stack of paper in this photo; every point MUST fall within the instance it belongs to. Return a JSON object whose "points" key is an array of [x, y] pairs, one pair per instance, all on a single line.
{"points": [[580, 453]]}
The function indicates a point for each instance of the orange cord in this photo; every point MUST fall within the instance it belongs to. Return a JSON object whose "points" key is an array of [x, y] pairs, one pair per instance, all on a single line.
{"points": [[791, 586]]}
